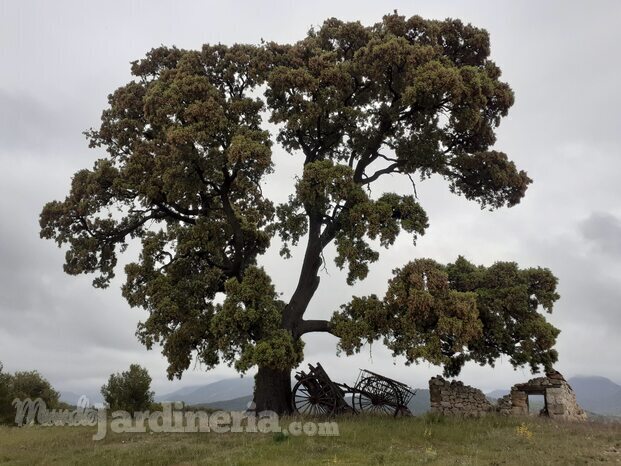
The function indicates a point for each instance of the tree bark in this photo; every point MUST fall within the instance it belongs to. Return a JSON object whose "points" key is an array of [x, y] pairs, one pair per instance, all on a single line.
{"points": [[272, 391]]}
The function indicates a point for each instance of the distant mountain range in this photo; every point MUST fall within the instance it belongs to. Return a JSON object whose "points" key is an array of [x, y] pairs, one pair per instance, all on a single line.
{"points": [[419, 404], [236, 404], [223, 390], [236, 393], [595, 394], [72, 398], [494, 395]]}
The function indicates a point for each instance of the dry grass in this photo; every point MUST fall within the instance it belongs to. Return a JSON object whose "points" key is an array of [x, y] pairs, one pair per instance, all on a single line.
{"points": [[420, 440]]}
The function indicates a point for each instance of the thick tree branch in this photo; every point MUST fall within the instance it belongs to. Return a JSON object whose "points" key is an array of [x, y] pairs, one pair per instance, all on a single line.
{"points": [[308, 280], [392, 168], [308, 326]]}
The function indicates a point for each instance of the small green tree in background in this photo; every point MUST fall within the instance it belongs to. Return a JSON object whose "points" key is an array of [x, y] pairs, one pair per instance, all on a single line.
{"points": [[31, 384], [22, 385], [129, 391]]}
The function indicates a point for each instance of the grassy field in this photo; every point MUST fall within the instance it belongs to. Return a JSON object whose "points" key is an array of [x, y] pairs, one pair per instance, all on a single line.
{"points": [[420, 440]]}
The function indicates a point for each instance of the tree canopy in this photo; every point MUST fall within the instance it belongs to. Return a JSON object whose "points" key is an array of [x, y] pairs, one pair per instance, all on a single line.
{"points": [[188, 150], [23, 385], [129, 391], [452, 314]]}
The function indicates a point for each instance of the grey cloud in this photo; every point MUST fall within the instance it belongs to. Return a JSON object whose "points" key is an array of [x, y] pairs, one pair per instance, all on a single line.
{"points": [[28, 125], [61, 59], [603, 232]]}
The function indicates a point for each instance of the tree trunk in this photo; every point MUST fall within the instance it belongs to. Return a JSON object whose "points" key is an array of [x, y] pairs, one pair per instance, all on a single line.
{"points": [[272, 390]]}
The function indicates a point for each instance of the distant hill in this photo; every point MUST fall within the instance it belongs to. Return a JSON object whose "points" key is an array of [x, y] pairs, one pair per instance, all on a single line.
{"points": [[236, 404], [71, 398], [223, 390], [597, 394], [420, 403], [496, 394]]}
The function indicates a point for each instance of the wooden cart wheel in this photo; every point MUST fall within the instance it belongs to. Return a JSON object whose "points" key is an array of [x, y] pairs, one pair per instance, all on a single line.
{"points": [[376, 396], [310, 398]]}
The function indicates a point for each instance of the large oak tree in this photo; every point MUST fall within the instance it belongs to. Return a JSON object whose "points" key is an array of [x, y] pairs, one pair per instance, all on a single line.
{"points": [[187, 152]]}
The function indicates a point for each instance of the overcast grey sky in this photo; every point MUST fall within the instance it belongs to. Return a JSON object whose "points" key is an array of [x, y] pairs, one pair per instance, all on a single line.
{"points": [[59, 60]]}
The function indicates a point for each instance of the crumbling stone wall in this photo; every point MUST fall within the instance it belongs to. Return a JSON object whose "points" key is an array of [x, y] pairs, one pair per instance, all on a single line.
{"points": [[457, 398]]}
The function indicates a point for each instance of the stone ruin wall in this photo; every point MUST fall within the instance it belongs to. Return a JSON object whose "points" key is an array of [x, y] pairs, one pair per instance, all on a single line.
{"points": [[455, 398], [559, 397]]}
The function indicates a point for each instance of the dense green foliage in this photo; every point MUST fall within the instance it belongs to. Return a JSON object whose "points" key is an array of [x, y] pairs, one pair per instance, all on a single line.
{"points": [[187, 153], [129, 391], [452, 314], [22, 385], [30, 384]]}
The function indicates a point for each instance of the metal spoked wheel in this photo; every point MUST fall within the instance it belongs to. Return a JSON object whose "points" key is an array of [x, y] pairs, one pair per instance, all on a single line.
{"points": [[310, 398], [374, 395]]}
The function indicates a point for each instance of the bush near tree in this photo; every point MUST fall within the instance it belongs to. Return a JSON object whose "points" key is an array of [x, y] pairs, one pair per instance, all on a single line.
{"points": [[129, 391], [22, 385]]}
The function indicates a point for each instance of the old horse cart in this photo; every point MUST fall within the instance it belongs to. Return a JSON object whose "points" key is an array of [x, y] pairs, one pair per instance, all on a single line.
{"points": [[316, 394]]}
